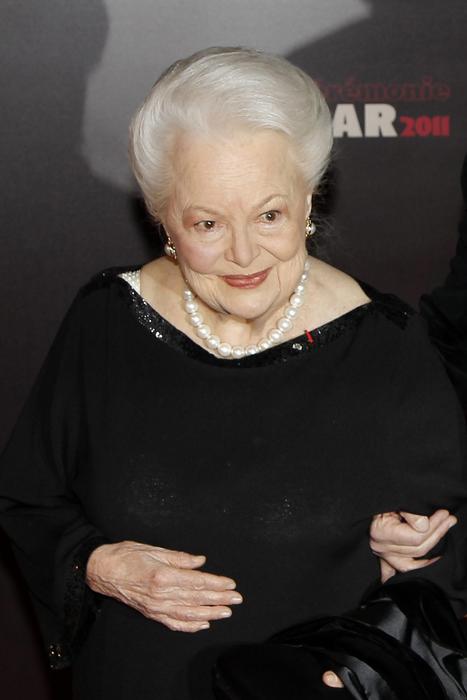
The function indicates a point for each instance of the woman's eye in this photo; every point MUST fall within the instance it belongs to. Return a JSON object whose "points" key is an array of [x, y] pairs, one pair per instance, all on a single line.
{"points": [[205, 225], [270, 216]]}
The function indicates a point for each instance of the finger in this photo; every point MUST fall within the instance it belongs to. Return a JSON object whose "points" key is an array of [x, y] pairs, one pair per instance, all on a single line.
{"points": [[331, 680], [383, 527], [389, 530], [427, 541], [154, 607], [200, 580], [404, 564], [165, 579], [422, 523], [182, 560], [389, 536], [435, 538], [200, 613], [180, 625], [205, 597]]}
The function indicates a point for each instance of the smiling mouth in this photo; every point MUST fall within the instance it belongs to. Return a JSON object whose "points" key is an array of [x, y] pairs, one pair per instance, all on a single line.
{"points": [[247, 281]]}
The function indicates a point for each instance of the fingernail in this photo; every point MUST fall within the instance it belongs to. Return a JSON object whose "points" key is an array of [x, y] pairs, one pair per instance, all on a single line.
{"points": [[236, 599], [204, 626], [452, 524], [226, 613]]}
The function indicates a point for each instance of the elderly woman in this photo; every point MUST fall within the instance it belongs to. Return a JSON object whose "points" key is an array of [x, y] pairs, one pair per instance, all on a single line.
{"points": [[212, 433]]}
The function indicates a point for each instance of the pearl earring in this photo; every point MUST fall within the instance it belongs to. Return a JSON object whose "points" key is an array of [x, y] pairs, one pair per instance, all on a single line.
{"points": [[310, 227], [169, 248]]}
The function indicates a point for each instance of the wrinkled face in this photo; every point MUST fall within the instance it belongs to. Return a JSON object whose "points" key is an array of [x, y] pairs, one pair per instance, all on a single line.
{"points": [[238, 207]]}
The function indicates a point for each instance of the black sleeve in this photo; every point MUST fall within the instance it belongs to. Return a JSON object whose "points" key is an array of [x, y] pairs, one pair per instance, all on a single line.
{"points": [[445, 309], [424, 455], [49, 532]]}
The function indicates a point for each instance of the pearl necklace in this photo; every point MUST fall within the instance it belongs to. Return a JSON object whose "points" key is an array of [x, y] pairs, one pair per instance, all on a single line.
{"points": [[274, 336]]}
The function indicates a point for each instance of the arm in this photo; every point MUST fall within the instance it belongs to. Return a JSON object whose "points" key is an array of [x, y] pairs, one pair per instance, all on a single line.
{"points": [[445, 309], [400, 542], [50, 534], [68, 563], [432, 430]]}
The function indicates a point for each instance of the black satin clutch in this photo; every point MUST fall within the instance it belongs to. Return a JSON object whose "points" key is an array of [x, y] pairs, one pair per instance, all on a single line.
{"points": [[404, 642]]}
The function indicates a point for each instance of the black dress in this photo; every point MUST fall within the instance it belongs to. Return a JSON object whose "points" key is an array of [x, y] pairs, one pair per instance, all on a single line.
{"points": [[272, 466]]}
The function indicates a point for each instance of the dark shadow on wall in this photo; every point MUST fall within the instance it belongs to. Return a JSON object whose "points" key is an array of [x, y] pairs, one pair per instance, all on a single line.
{"points": [[394, 221], [60, 225]]}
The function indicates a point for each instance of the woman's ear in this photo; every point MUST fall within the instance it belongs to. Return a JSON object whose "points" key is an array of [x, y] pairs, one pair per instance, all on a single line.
{"points": [[309, 199]]}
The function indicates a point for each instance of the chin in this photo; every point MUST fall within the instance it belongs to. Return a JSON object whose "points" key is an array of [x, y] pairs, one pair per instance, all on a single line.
{"points": [[249, 309]]}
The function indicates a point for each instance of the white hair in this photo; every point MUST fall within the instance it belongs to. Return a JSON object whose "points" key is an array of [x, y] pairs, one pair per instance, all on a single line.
{"points": [[216, 89]]}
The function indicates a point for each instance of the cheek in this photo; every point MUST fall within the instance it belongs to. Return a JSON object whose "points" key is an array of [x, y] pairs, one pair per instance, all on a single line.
{"points": [[287, 245], [198, 257]]}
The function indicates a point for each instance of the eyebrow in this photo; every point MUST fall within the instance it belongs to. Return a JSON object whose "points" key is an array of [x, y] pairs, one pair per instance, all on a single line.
{"points": [[271, 197], [261, 204]]}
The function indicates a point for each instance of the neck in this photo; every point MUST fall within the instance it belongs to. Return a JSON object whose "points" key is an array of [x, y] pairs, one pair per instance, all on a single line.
{"points": [[231, 336]]}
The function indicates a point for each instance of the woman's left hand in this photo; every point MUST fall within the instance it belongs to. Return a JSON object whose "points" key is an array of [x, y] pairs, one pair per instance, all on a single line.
{"points": [[401, 540]]}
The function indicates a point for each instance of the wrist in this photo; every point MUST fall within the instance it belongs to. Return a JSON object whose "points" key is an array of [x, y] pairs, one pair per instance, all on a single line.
{"points": [[96, 566]]}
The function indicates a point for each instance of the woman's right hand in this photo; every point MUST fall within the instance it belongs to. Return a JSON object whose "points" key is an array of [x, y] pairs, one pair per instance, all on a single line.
{"points": [[162, 584]]}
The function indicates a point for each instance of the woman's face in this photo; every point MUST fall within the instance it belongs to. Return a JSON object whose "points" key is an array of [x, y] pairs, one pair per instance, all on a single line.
{"points": [[238, 208]]}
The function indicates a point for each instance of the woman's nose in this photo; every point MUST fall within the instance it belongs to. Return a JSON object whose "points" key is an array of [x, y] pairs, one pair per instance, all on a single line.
{"points": [[243, 249]]}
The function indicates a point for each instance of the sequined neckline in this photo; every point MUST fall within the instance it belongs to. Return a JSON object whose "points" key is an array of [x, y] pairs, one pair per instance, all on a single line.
{"points": [[300, 346]]}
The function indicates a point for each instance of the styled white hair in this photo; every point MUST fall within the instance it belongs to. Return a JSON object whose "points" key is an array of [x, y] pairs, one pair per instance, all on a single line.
{"points": [[215, 90]]}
